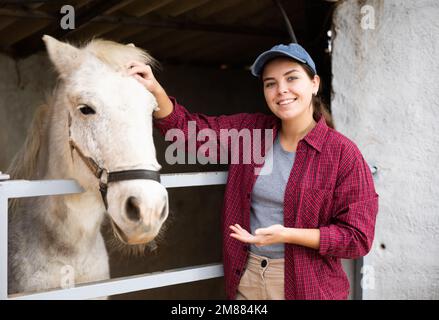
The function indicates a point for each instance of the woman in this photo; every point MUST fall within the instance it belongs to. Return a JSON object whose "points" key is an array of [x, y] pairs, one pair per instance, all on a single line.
{"points": [[285, 232]]}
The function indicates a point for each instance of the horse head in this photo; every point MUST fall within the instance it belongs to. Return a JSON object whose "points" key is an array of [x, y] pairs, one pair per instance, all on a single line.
{"points": [[108, 122]]}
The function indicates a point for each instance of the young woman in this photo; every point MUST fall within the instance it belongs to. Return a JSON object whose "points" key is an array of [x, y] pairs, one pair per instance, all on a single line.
{"points": [[284, 233]]}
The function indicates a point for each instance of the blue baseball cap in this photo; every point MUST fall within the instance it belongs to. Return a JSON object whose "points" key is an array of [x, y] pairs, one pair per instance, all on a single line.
{"points": [[293, 50]]}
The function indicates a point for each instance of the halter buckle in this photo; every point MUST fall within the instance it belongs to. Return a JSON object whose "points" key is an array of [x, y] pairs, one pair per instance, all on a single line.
{"points": [[104, 177]]}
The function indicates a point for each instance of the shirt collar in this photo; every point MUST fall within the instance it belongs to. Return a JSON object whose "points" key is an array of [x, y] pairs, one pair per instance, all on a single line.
{"points": [[316, 137]]}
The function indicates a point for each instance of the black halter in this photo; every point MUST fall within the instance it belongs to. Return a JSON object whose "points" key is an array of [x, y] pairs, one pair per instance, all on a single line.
{"points": [[106, 177]]}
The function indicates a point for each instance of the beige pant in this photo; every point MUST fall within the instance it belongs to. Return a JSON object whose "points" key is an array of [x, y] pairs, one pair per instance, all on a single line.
{"points": [[262, 280]]}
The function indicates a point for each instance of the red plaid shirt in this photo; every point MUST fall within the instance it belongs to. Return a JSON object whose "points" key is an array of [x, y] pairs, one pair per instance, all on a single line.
{"points": [[330, 187]]}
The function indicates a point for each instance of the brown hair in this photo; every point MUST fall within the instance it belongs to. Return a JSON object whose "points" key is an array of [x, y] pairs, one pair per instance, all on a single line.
{"points": [[320, 108]]}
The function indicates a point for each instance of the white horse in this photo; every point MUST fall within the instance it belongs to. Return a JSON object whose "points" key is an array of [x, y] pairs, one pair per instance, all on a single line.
{"points": [[96, 129]]}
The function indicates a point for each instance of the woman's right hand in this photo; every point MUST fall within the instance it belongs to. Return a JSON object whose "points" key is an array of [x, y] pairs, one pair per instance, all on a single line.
{"points": [[143, 73]]}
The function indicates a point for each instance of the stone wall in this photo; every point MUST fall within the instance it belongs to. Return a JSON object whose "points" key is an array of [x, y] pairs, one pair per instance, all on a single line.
{"points": [[385, 98]]}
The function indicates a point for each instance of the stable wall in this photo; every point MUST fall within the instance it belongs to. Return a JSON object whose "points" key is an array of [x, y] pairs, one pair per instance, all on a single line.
{"points": [[385, 98]]}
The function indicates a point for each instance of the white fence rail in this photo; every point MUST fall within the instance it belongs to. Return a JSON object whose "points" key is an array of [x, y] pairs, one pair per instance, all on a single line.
{"points": [[23, 188]]}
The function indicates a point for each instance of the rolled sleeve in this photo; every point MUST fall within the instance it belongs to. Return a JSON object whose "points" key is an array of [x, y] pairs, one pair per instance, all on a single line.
{"points": [[351, 233], [351, 236]]}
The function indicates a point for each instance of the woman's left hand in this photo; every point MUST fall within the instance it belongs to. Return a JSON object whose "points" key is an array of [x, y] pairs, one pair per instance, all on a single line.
{"points": [[263, 236]]}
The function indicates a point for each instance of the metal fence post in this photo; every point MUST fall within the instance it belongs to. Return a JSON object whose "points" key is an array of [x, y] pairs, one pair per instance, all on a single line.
{"points": [[3, 247]]}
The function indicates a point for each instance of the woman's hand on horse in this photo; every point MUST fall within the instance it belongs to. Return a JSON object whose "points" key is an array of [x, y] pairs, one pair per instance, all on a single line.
{"points": [[143, 73], [263, 236]]}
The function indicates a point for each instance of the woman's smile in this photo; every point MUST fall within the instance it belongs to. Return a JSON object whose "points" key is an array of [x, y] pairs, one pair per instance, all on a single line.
{"points": [[286, 102]]}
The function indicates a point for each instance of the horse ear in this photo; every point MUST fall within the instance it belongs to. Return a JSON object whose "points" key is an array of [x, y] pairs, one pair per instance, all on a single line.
{"points": [[64, 56]]}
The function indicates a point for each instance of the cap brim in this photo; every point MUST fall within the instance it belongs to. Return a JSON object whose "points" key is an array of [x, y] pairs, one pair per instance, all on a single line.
{"points": [[260, 62]]}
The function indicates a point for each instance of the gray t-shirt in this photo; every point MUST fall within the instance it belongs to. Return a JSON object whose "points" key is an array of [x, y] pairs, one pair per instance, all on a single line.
{"points": [[267, 202]]}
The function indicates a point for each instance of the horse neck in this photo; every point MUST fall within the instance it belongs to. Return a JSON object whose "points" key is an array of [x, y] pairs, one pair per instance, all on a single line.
{"points": [[79, 215], [70, 220]]}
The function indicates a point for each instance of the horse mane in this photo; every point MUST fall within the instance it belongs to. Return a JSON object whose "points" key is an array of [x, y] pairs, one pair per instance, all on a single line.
{"points": [[117, 55], [24, 163]]}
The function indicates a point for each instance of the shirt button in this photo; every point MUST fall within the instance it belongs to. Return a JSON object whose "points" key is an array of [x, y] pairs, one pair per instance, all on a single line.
{"points": [[263, 263]]}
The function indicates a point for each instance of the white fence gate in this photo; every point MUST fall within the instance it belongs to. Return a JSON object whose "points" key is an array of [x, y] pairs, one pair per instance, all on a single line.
{"points": [[22, 188]]}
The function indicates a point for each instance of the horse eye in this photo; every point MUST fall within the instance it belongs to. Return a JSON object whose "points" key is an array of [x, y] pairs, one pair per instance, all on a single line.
{"points": [[86, 110]]}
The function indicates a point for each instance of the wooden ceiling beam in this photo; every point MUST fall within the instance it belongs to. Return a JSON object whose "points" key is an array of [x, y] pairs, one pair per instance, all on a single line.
{"points": [[148, 22], [178, 8], [7, 21], [83, 15], [182, 24], [143, 36], [25, 2], [213, 7], [134, 10]]}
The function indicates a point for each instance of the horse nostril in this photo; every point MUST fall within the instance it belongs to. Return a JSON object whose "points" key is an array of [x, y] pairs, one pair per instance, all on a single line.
{"points": [[133, 209]]}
